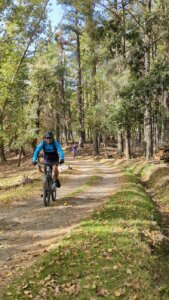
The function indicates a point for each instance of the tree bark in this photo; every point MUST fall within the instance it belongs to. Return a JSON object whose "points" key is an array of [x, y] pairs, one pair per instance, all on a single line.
{"points": [[91, 32], [148, 131], [127, 144], [62, 92], [22, 152], [57, 126], [147, 113], [2, 152], [124, 29], [105, 145], [95, 143], [79, 95], [119, 144], [38, 111]]}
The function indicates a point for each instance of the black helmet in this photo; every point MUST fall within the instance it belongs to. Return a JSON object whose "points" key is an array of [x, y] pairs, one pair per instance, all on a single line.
{"points": [[48, 135]]}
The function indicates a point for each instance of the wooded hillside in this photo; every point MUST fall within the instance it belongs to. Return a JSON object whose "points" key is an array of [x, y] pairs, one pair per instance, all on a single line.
{"points": [[102, 75]]}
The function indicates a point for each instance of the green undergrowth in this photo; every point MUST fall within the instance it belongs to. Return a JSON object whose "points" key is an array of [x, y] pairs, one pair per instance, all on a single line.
{"points": [[118, 253], [21, 192], [25, 191], [155, 177]]}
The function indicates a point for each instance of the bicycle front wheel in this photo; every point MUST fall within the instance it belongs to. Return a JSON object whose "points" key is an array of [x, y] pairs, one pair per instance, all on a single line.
{"points": [[46, 191], [46, 197], [54, 194]]}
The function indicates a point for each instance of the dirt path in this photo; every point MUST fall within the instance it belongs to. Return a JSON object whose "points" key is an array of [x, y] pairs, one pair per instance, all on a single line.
{"points": [[28, 229]]}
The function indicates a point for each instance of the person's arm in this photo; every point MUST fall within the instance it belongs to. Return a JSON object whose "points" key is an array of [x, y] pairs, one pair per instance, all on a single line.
{"points": [[37, 151], [60, 151]]}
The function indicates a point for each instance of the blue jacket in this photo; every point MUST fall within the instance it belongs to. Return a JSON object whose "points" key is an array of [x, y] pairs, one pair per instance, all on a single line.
{"points": [[49, 148]]}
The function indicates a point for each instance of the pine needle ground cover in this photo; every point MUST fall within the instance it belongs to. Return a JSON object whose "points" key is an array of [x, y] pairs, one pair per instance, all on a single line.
{"points": [[118, 253]]}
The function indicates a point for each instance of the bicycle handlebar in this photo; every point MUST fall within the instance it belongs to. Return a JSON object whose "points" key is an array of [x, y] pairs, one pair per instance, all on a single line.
{"points": [[46, 164]]}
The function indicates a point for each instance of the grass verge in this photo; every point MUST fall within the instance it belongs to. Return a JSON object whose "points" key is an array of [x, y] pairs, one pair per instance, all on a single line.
{"points": [[21, 192], [118, 253], [155, 177]]}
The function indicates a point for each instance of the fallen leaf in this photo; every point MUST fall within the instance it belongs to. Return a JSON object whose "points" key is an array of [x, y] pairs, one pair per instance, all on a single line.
{"points": [[110, 250], [136, 285], [74, 289], [9, 274], [133, 297], [57, 291], [47, 278], [9, 294], [102, 292], [43, 291], [119, 292]]}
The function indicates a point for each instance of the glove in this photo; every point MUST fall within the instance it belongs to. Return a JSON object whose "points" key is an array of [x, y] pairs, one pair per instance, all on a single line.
{"points": [[34, 163], [62, 161]]}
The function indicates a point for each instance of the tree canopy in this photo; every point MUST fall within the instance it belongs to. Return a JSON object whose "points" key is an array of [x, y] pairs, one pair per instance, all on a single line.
{"points": [[103, 72]]}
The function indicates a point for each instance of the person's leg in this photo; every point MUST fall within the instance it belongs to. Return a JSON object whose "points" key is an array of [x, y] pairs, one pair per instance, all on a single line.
{"points": [[55, 172]]}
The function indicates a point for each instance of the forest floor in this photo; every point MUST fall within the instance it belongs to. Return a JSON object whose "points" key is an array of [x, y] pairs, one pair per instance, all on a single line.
{"points": [[120, 250], [28, 229]]}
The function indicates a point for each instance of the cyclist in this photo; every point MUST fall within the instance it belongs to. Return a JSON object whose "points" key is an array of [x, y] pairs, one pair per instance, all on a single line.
{"points": [[74, 150], [53, 154]]}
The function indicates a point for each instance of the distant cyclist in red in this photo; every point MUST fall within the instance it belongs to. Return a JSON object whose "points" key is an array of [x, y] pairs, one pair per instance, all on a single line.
{"points": [[53, 154]]}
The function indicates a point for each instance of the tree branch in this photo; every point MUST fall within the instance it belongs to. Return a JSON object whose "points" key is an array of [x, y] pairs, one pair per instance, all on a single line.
{"points": [[30, 41]]}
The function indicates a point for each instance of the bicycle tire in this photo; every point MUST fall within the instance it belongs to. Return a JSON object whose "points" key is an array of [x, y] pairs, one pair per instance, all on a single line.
{"points": [[54, 192], [46, 192], [46, 197]]}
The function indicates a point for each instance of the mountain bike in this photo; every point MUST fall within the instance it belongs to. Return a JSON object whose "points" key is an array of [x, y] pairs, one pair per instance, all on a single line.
{"points": [[49, 188]]}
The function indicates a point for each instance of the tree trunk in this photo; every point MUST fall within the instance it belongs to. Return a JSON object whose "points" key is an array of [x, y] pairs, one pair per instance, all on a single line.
{"points": [[95, 143], [2, 152], [57, 126], [105, 145], [79, 95], [65, 134], [123, 3], [119, 144], [62, 92], [147, 114], [127, 144], [91, 27], [162, 132], [38, 111], [148, 132], [22, 152]]}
